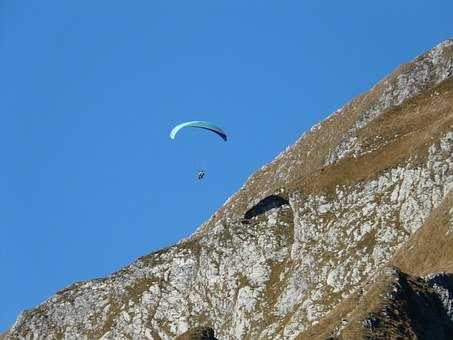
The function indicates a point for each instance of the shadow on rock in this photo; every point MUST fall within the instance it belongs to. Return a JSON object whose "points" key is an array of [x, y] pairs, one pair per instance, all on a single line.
{"points": [[266, 204], [199, 333]]}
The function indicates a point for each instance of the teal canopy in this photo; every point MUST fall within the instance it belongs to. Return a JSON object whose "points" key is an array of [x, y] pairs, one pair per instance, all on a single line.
{"points": [[201, 125]]}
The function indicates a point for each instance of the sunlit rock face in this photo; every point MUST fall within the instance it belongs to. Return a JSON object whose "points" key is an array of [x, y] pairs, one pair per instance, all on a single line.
{"points": [[302, 236], [435, 67]]}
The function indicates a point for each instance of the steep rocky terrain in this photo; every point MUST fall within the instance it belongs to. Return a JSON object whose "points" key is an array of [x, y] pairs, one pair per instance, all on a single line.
{"points": [[346, 234]]}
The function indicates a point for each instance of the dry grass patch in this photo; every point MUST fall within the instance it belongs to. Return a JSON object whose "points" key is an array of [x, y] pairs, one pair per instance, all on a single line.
{"points": [[430, 249], [405, 131]]}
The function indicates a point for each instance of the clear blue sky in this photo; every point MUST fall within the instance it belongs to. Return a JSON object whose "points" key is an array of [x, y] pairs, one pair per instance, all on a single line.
{"points": [[89, 90]]}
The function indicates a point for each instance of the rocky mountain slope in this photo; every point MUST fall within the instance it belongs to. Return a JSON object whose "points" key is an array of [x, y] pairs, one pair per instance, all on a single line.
{"points": [[346, 234]]}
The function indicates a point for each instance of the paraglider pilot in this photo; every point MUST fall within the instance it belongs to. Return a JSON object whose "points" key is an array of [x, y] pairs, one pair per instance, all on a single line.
{"points": [[201, 174]]}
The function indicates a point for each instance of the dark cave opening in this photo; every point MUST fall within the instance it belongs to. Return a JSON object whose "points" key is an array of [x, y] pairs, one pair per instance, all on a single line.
{"points": [[266, 204]]}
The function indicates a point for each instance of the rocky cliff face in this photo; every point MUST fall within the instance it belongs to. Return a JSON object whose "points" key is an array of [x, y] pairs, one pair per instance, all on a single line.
{"points": [[346, 234]]}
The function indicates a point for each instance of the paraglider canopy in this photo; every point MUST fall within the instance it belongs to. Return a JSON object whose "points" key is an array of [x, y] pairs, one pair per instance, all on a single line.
{"points": [[201, 125]]}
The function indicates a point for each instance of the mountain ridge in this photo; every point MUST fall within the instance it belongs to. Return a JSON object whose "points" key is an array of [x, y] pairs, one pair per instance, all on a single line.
{"points": [[390, 91], [303, 234]]}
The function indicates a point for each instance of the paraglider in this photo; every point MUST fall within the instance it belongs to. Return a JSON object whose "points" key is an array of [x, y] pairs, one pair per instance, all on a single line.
{"points": [[201, 125], [198, 124]]}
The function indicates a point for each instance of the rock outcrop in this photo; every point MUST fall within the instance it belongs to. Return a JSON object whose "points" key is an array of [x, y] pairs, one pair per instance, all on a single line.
{"points": [[346, 234]]}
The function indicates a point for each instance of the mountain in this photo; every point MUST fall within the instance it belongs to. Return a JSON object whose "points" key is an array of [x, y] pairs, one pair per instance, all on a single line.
{"points": [[347, 234]]}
